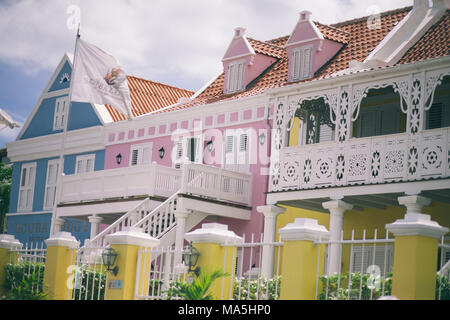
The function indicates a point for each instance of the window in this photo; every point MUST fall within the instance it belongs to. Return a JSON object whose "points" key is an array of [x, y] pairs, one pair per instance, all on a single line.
{"points": [[50, 184], [235, 76], [189, 149], [378, 120], [237, 151], [26, 188], [363, 257], [61, 107], [141, 154], [85, 163], [301, 63], [438, 116]]}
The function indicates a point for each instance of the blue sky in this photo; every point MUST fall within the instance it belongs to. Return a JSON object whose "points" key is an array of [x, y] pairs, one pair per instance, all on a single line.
{"points": [[179, 42]]}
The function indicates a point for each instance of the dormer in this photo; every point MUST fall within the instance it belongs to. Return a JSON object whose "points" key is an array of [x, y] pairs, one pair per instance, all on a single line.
{"points": [[307, 48], [238, 57]]}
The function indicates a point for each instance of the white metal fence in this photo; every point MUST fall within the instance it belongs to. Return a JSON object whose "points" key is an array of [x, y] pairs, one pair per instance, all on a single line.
{"points": [[365, 268], [27, 263], [86, 275]]}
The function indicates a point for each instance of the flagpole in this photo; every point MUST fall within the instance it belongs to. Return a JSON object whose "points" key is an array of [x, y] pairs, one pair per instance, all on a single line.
{"points": [[63, 147]]}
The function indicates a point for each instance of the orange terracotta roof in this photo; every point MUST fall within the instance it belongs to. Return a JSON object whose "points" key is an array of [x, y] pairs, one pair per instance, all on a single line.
{"points": [[358, 40], [147, 96]]}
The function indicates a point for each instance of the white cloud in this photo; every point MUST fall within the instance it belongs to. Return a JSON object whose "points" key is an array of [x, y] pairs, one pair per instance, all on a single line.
{"points": [[175, 41]]}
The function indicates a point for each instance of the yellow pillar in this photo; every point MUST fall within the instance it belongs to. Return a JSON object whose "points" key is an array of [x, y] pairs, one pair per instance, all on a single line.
{"points": [[7, 243], [415, 252], [127, 244], [299, 259], [211, 242], [61, 254]]}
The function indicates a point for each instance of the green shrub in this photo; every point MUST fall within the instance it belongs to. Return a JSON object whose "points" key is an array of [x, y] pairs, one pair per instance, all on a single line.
{"points": [[442, 288], [257, 289], [24, 281]]}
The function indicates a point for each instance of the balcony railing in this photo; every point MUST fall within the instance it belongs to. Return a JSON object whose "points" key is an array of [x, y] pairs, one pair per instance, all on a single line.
{"points": [[380, 159], [123, 182], [155, 180]]}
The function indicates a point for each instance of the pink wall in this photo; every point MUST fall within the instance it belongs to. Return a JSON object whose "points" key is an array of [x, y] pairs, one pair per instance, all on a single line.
{"points": [[259, 160]]}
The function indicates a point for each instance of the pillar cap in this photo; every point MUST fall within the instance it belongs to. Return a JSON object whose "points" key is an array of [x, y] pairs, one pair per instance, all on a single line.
{"points": [[337, 204], [7, 241], [62, 239], [416, 224], [270, 210], [213, 233], [132, 236], [95, 219], [304, 229]]}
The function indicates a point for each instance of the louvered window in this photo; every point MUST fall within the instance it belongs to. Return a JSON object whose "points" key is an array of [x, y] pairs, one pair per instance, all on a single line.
{"points": [[141, 154], [235, 76], [26, 188], [301, 63], [85, 163], [363, 257], [50, 184], [61, 108], [434, 116]]}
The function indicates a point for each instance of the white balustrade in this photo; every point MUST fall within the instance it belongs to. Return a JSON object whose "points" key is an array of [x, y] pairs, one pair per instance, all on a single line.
{"points": [[379, 159], [123, 182], [217, 183]]}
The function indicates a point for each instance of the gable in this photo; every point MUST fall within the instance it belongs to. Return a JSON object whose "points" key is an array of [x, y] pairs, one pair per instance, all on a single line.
{"points": [[62, 80], [239, 46]]}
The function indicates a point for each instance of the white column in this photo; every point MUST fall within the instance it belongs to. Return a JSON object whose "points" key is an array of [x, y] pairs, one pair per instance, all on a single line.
{"points": [[59, 224], [270, 213], [180, 217], [95, 222], [336, 227]]}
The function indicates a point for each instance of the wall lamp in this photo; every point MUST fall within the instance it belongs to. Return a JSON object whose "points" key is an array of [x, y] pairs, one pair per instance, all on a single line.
{"points": [[109, 256], [119, 158], [262, 138], [209, 145], [190, 258], [162, 152]]}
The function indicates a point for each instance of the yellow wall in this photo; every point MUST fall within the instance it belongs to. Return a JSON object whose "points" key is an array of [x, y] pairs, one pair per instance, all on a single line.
{"points": [[293, 134]]}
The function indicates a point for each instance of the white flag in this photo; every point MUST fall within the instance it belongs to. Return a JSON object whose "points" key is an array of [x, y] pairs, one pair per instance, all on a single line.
{"points": [[99, 78]]}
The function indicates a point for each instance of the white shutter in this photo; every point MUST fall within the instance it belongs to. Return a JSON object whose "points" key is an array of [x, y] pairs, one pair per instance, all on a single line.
{"points": [[326, 133], [61, 107], [363, 258], [198, 149], [301, 63], [229, 152], [85, 163], [306, 67], [26, 188], [141, 154], [243, 156], [50, 184]]}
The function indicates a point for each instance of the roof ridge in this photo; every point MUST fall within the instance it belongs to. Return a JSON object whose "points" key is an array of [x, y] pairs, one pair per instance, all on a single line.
{"points": [[331, 27], [160, 83], [382, 14], [267, 43]]}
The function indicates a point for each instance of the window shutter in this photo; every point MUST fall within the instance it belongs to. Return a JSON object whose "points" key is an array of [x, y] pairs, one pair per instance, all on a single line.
{"points": [[363, 258], [435, 116], [306, 67], [243, 142], [26, 189], [326, 133], [134, 157]]}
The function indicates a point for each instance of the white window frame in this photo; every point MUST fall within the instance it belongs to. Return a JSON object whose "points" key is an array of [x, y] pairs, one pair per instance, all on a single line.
{"points": [[60, 116], [50, 186], [235, 76], [301, 63], [26, 187], [142, 150], [84, 159], [237, 151]]}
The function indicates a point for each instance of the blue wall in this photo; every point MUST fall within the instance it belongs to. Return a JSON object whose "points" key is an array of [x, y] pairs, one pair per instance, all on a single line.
{"points": [[35, 228], [41, 175], [56, 85]]}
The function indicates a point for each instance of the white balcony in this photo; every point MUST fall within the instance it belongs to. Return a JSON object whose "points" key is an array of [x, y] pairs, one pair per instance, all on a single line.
{"points": [[155, 180], [362, 161]]}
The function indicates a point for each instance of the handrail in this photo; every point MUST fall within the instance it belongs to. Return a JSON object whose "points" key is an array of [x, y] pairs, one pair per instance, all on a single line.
{"points": [[444, 269]]}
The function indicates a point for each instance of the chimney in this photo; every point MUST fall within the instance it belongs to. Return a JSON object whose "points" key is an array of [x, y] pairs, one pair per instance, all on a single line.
{"points": [[305, 15], [239, 32]]}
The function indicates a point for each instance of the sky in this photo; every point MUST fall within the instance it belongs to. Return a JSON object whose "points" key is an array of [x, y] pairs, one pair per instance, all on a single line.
{"points": [[178, 42]]}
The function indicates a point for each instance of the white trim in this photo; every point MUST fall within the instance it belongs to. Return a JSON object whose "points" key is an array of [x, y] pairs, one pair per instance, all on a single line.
{"points": [[213, 233], [27, 213], [62, 239], [415, 224], [304, 229], [132, 236], [84, 159]]}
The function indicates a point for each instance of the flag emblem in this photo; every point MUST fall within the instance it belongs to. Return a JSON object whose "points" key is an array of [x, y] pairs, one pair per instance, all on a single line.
{"points": [[115, 77]]}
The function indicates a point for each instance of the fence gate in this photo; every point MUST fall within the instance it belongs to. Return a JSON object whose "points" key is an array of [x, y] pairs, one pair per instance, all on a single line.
{"points": [[86, 275]]}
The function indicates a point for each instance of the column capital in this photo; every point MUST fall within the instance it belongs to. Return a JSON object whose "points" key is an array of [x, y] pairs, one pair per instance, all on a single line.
{"points": [[304, 229], [7, 241], [62, 239], [416, 224], [95, 219], [337, 206], [213, 233], [181, 214], [414, 204], [132, 236], [270, 211]]}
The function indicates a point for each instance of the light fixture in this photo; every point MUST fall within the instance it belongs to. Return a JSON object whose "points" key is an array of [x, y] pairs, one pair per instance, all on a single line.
{"points": [[262, 138], [119, 158], [109, 256], [209, 145], [162, 152], [190, 258]]}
